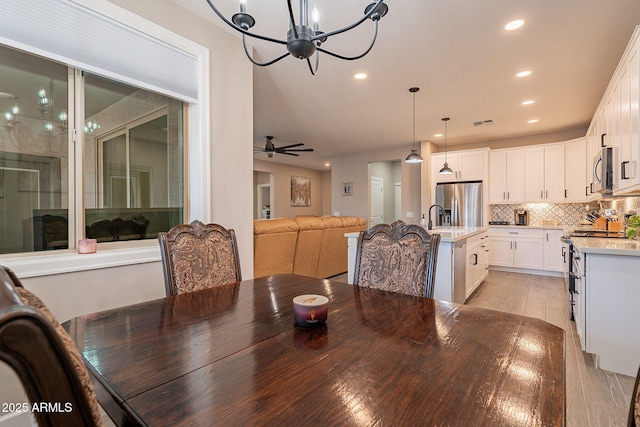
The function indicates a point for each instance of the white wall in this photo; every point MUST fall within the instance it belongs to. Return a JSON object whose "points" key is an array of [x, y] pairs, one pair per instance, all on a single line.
{"points": [[231, 80], [355, 168], [282, 188]]}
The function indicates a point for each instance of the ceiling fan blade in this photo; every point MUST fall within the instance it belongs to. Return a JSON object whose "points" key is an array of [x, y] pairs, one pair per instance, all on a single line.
{"points": [[285, 147], [301, 149], [288, 154]]}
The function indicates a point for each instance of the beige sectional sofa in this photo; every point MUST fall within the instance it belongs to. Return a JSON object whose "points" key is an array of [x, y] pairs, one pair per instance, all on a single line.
{"points": [[308, 245]]}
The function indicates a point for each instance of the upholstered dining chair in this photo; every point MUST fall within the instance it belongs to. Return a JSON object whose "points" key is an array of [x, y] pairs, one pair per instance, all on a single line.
{"points": [[634, 412], [44, 357], [398, 258], [198, 256]]}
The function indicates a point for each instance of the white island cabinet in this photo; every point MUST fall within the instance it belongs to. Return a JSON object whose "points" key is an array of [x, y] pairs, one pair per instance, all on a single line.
{"points": [[607, 305], [461, 266]]}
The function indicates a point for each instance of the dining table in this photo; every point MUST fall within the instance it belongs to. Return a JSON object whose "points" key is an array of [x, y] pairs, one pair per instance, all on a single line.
{"points": [[233, 355]]}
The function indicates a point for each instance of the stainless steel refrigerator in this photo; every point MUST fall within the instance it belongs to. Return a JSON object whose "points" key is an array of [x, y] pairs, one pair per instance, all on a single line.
{"points": [[462, 203]]}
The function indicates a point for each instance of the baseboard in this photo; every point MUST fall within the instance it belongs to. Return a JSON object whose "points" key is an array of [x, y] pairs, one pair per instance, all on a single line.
{"points": [[526, 271]]}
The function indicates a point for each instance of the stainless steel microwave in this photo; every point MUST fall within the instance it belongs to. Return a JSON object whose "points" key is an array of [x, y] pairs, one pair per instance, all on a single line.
{"points": [[603, 171]]}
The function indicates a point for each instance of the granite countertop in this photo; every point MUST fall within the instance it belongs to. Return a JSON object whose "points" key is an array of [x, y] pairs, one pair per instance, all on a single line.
{"points": [[545, 227], [455, 234], [606, 246]]}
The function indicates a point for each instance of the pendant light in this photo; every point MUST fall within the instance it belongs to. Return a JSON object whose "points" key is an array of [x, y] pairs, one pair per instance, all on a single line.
{"points": [[446, 170], [414, 157]]}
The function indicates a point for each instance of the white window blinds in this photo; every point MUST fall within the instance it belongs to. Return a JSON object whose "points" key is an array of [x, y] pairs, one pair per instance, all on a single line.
{"points": [[81, 38]]}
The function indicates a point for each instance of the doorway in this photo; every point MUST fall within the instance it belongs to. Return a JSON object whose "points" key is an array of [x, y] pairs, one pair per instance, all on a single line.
{"points": [[385, 192], [377, 201], [263, 195]]}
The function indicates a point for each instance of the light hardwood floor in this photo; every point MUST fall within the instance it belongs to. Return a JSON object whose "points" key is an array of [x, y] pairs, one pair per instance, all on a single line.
{"points": [[595, 398]]}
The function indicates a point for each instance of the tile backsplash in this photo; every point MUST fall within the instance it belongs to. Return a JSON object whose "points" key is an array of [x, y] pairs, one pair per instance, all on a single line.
{"points": [[563, 213]]}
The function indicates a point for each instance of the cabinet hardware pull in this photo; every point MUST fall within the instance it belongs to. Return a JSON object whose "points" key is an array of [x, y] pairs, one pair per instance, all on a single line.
{"points": [[541, 195], [624, 169], [475, 262], [565, 193], [507, 195], [504, 195], [586, 190], [602, 144], [515, 245], [546, 194]]}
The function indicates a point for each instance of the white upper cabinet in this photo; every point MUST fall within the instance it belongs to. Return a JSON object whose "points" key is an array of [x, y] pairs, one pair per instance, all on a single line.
{"points": [[616, 123], [628, 177], [575, 170], [506, 176], [544, 173], [467, 165]]}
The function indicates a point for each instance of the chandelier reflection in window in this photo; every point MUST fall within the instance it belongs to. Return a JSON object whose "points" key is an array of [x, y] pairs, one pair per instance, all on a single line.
{"points": [[54, 124], [302, 40]]}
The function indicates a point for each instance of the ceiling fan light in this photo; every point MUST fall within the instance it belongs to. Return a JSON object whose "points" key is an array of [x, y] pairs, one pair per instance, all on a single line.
{"points": [[414, 157], [446, 170]]}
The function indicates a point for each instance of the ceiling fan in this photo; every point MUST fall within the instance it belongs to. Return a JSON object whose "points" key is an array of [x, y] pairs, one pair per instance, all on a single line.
{"points": [[270, 149]]}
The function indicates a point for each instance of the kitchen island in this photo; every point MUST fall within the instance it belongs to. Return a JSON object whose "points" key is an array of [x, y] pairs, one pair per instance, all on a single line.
{"points": [[462, 262], [608, 291]]}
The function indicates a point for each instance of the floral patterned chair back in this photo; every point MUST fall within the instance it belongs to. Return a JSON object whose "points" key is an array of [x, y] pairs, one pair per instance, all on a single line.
{"points": [[634, 412], [199, 256], [44, 358], [398, 258]]}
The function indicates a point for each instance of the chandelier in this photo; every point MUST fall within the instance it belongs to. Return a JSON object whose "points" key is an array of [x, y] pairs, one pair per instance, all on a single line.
{"points": [[302, 40], [46, 108]]}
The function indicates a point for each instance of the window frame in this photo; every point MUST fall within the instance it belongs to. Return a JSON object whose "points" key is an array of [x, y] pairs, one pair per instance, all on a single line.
{"points": [[197, 183]]}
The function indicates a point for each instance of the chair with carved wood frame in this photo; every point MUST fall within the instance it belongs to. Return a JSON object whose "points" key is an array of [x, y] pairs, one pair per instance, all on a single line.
{"points": [[397, 257], [634, 411], [198, 256], [45, 358]]}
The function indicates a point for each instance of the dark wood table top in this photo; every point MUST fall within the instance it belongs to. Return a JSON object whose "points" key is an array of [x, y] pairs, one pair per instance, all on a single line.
{"points": [[233, 356]]}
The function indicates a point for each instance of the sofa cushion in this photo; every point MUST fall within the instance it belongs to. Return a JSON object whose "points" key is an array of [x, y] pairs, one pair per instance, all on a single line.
{"points": [[308, 245], [274, 245], [333, 250]]}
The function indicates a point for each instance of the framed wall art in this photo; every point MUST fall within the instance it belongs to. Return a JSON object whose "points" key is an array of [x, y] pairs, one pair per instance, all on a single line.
{"points": [[347, 188], [300, 191]]}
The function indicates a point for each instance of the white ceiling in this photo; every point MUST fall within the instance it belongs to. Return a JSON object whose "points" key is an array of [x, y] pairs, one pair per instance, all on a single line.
{"points": [[456, 51]]}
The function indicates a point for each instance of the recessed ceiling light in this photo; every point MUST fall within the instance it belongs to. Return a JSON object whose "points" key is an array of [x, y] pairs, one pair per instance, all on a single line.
{"points": [[438, 135], [360, 76], [327, 165], [514, 25], [528, 102], [532, 121], [523, 73]]}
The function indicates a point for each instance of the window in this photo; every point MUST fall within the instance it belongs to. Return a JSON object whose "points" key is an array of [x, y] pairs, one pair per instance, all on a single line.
{"points": [[131, 163]]}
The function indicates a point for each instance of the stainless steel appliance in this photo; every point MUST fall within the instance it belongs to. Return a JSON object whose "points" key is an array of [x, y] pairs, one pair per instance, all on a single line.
{"points": [[570, 276], [603, 171], [462, 203], [521, 217]]}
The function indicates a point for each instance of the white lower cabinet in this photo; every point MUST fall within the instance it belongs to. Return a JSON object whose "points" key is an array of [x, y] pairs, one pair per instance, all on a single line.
{"points": [[477, 267], [516, 247], [553, 251], [529, 248], [610, 295]]}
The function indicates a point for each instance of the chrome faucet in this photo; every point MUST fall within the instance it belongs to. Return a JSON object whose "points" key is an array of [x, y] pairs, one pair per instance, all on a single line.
{"points": [[430, 224]]}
